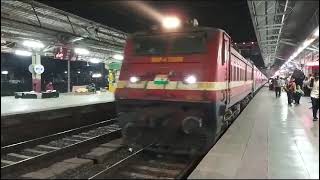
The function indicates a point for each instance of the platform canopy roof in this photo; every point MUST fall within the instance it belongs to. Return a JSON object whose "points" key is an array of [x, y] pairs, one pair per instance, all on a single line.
{"points": [[31, 20], [281, 26]]}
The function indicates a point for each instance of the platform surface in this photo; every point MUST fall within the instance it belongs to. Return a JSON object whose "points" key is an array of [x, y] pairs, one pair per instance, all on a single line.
{"points": [[10, 105], [268, 140]]}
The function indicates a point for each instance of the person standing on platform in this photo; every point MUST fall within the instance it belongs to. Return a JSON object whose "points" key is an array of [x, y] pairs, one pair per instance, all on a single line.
{"points": [[290, 89], [305, 84], [49, 87], [298, 94], [283, 83], [277, 86], [315, 96]]}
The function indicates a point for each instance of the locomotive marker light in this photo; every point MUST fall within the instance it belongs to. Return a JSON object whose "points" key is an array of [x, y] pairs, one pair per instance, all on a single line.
{"points": [[190, 79], [134, 79], [171, 22]]}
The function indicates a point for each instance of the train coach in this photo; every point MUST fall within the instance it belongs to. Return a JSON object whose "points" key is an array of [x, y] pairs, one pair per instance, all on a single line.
{"points": [[182, 87]]}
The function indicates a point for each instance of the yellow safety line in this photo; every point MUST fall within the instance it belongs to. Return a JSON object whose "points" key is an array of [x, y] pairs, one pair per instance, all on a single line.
{"points": [[178, 85]]}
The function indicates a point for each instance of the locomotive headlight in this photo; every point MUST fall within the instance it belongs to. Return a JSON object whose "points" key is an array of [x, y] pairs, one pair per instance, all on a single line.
{"points": [[171, 22], [190, 79], [134, 79]]}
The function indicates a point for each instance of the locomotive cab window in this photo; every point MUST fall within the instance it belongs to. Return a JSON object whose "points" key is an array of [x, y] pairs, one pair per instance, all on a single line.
{"points": [[188, 43], [149, 45], [174, 43]]}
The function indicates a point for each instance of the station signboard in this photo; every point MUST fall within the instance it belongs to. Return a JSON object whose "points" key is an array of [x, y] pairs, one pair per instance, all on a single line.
{"points": [[65, 53]]}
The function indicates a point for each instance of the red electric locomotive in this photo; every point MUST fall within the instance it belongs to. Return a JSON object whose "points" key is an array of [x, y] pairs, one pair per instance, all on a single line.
{"points": [[181, 88]]}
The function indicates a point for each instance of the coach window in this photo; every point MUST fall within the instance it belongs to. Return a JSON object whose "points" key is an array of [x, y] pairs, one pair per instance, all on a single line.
{"points": [[242, 75], [235, 73], [245, 73], [232, 73]]}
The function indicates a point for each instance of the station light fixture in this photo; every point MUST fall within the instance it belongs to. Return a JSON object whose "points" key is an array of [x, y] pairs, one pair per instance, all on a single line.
{"points": [[33, 44], [23, 53], [77, 39], [118, 57], [4, 72], [316, 33], [78, 72], [171, 22], [304, 45], [65, 72], [81, 51], [96, 75], [95, 60]]}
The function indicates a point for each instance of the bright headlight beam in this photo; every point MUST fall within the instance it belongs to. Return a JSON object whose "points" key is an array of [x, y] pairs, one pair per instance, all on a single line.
{"points": [[171, 22]]}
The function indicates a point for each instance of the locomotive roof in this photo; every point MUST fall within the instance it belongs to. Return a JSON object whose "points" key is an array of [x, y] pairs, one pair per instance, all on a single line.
{"points": [[185, 29]]}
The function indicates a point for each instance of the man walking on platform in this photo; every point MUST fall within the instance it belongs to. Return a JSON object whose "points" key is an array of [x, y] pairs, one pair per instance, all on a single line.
{"points": [[277, 86], [290, 89], [314, 86]]}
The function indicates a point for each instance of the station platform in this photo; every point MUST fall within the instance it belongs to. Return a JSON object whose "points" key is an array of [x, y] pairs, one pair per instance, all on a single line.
{"points": [[12, 106], [269, 139]]}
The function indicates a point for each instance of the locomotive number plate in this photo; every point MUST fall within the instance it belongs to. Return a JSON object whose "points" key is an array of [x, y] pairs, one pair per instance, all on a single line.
{"points": [[166, 59]]}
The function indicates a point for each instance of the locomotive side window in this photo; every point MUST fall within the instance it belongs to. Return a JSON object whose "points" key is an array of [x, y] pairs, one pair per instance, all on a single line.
{"points": [[226, 49]]}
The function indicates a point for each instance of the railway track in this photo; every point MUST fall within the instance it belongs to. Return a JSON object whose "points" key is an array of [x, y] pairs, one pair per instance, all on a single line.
{"points": [[18, 156], [145, 164]]}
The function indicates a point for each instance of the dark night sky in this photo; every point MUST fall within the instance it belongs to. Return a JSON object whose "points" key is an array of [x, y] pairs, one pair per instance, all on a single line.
{"points": [[232, 16]]}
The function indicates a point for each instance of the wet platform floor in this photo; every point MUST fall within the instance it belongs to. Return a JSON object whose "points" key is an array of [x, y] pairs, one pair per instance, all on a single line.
{"points": [[268, 140]]}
